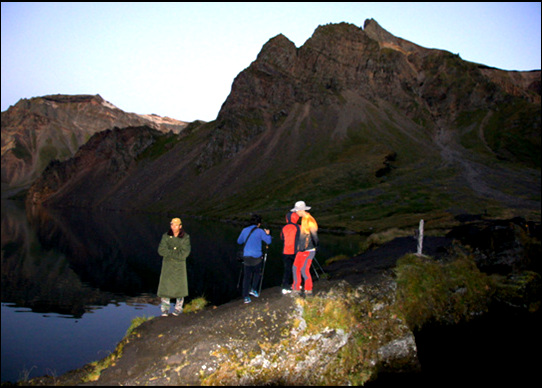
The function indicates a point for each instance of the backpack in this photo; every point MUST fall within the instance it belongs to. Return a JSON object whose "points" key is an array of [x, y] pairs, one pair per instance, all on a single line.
{"points": [[290, 235]]}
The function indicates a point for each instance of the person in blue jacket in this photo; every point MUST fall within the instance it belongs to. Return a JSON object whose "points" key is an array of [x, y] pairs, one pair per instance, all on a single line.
{"points": [[252, 236]]}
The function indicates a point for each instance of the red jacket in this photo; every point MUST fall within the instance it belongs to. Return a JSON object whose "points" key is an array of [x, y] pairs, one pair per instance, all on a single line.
{"points": [[290, 234]]}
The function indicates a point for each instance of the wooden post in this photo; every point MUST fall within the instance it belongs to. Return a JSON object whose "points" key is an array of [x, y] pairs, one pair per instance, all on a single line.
{"points": [[420, 238]]}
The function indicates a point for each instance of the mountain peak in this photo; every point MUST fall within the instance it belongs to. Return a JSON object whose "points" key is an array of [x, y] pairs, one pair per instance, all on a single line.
{"points": [[387, 40], [277, 50], [376, 32]]}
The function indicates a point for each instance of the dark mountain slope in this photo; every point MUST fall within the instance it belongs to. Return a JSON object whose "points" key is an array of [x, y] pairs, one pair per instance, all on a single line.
{"points": [[366, 127]]}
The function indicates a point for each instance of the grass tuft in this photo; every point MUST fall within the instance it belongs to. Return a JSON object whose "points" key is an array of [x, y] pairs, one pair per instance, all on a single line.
{"points": [[196, 305], [443, 292]]}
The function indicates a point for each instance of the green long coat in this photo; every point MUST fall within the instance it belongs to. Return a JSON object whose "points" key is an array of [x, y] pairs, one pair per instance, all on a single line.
{"points": [[173, 279]]}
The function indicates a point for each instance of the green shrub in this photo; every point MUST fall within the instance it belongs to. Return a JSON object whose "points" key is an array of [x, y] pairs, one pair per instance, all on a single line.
{"points": [[195, 305], [431, 291]]}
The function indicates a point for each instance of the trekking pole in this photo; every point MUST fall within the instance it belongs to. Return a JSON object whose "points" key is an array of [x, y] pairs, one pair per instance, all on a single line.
{"points": [[315, 271], [319, 266], [263, 269]]}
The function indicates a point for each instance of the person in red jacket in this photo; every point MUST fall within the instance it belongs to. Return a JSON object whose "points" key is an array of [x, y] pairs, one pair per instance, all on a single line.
{"points": [[290, 235]]}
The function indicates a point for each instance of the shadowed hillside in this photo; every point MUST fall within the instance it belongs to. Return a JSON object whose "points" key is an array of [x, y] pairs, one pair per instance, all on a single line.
{"points": [[371, 130]]}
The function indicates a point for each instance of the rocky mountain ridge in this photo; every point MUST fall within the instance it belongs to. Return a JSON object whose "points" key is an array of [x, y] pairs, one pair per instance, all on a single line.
{"points": [[102, 162], [373, 65], [38, 130], [353, 119]]}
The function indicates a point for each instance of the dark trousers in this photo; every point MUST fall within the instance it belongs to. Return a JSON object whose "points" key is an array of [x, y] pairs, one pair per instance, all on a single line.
{"points": [[287, 279], [251, 278]]}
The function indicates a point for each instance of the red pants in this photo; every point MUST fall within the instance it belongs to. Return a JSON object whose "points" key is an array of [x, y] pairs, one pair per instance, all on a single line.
{"points": [[302, 268]]}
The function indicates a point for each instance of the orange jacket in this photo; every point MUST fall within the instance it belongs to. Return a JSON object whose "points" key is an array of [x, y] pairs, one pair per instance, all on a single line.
{"points": [[309, 233]]}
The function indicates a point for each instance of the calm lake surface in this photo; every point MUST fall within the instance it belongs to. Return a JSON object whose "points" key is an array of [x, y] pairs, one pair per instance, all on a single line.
{"points": [[72, 281]]}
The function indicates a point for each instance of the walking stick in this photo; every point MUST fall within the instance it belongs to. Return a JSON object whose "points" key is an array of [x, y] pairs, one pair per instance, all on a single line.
{"points": [[263, 269], [319, 266], [315, 271]]}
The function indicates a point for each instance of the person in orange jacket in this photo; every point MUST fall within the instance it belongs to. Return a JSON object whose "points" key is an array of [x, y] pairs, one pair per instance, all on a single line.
{"points": [[308, 241]]}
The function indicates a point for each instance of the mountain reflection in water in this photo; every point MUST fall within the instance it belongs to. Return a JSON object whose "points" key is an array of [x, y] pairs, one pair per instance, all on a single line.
{"points": [[68, 263], [62, 261]]}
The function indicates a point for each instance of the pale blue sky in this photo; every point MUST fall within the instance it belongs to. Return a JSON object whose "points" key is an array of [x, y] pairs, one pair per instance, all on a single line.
{"points": [[180, 59]]}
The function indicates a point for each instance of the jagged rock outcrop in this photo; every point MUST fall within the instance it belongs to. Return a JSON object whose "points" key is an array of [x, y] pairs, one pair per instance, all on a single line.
{"points": [[341, 62], [99, 167], [38, 130], [271, 342], [503, 246], [349, 119]]}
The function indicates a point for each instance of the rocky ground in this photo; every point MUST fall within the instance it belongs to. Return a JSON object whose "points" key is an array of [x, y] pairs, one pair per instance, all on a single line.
{"points": [[179, 350], [238, 344]]}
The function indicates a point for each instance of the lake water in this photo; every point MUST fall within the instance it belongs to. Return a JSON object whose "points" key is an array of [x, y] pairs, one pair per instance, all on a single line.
{"points": [[72, 281]]}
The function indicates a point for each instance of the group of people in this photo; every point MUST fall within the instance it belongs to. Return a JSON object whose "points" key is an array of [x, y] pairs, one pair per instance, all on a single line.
{"points": [[300, 242]]}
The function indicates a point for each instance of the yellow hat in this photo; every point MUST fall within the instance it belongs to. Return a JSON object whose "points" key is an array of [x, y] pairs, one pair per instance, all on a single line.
{"points": [[176, 221]]}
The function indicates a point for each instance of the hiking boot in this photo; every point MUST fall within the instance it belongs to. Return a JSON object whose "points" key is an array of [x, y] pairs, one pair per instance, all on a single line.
{"points": [[176, 312], [247, 300], [308, 293], [164, 313], [254, 293]]}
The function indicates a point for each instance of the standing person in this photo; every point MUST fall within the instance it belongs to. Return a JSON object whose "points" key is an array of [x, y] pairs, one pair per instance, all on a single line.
{"points": [[252, 236], [290, 235], [308, 241], [174, 248]]}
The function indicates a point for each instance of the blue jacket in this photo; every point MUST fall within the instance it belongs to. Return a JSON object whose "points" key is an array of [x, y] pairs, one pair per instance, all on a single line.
{"points": [[253, 247]]}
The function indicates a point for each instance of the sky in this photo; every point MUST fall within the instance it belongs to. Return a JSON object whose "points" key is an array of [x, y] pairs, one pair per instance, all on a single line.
{"points": [[180, 59]]}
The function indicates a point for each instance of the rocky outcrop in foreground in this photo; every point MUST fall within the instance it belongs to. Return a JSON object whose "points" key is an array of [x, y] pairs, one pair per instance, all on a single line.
{"points": [[351, 332], [274, 340]]}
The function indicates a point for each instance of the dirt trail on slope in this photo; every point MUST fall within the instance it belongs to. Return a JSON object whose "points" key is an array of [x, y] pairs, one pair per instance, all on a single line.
{"points": [[486, 181]]}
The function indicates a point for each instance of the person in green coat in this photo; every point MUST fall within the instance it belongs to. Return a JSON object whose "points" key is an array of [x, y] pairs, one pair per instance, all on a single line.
{"points": [[174, 248]]}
